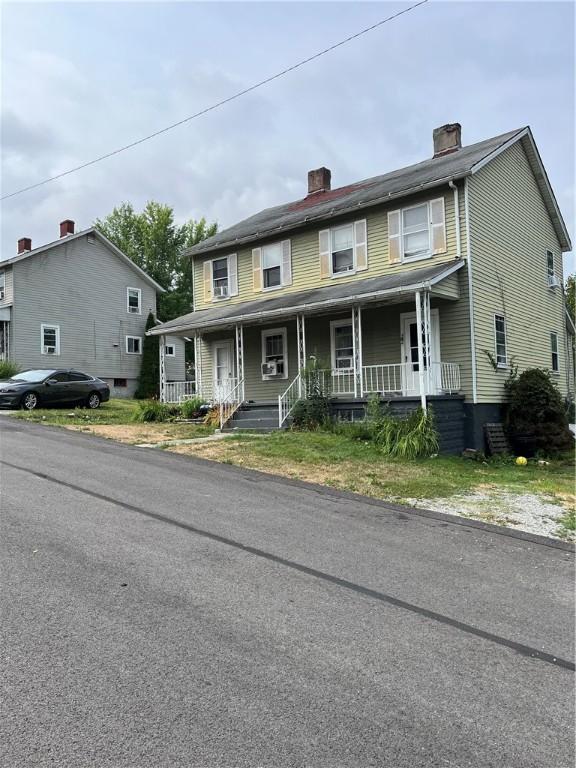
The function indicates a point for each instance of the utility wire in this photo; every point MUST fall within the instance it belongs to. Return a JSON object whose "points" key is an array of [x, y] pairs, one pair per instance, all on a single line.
{"points": [[217, 105]]}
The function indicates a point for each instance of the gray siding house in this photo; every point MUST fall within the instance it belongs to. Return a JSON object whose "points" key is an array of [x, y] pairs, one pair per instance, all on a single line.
{"points": [[79, 302]]}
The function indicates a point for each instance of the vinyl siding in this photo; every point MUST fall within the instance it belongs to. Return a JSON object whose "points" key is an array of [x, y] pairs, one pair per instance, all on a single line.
{"points": [[381, 344], [80, 287], [510, 233], [306, 257]]}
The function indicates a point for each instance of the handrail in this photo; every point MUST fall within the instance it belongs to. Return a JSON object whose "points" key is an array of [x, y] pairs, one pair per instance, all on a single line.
{"points": [[231, 403], [288, 399]]}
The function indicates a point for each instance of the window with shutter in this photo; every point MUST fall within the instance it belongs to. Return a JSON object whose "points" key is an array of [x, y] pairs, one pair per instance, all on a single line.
{"points": [[417, 232]]}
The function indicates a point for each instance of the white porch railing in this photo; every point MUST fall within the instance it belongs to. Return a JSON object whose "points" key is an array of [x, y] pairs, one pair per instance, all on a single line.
{"points": [[231, 402], [391, 379], [288, 399], [178, 391]]}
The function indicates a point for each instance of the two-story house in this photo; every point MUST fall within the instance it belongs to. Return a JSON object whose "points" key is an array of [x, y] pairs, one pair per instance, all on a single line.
{"points": [[79, 302], [423, 285]]}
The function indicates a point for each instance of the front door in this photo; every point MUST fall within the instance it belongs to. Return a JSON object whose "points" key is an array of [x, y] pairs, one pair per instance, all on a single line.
{"points": [[411, 377], [224, 381]]}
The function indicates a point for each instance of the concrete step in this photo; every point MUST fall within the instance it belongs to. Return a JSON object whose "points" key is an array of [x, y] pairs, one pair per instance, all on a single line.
{"points": [[230, 429], [254, 423], [256, 414]]}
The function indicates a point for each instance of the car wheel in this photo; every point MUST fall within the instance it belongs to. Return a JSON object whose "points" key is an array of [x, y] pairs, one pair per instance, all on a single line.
{"points": [[29, 401], [94, 400]]}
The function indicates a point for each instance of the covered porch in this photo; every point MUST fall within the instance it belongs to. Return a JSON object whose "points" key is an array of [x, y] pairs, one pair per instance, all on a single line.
{"points": [[396, 342]]}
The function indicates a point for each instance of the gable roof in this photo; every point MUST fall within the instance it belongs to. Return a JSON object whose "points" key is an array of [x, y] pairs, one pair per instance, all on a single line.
{"points": [[428, 174], [312, 300], [104, 240]]}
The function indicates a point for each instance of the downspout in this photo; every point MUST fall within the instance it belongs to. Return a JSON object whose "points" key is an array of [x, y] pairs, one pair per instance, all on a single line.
{"points": [[470, 295]]}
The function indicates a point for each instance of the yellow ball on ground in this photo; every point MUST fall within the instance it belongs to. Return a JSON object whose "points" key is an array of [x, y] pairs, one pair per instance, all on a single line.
{"points": [[521, 461]]}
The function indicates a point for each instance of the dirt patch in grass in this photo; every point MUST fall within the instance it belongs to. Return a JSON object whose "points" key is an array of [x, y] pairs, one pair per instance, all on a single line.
{"points": [[136, 433]]}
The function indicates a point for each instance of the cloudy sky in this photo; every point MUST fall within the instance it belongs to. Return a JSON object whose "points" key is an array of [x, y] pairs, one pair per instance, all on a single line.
{"points": [[80, 79]]}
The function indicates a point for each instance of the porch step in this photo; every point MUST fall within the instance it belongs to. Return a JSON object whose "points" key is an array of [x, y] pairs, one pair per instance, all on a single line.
{"points": [[256, 417]]}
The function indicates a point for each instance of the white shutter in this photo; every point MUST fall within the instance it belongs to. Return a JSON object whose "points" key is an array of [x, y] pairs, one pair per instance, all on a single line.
{"points": [[394, 237], [438, 224], [360, 245], [207, 281], [286, 263], [232, 275], [325, 254], [257, 269]]}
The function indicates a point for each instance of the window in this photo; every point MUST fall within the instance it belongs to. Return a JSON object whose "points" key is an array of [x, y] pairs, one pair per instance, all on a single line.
{"points": [[220, 278], [170, 350], [552, 279], [50, 339], [272, 266], [342, 249], [500, 339], [134, 301], [2, 285], [342, 345], [554, 350], [133, 345], [120, 382], [61, 376], [77, 376], [274, 354], [415, 232]]}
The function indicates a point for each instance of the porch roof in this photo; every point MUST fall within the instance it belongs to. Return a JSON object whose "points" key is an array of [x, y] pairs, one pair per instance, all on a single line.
{"points": [[315, 300]]}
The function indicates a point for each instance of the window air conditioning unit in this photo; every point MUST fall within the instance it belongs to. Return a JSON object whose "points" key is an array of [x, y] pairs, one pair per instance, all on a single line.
{"points": [[49, 350], [553, 281], [269, 369], [221, 291]]}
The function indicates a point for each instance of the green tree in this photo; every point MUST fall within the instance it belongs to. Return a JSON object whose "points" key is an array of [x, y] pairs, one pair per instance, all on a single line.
{"points": [[149, 381], [156, 244]]}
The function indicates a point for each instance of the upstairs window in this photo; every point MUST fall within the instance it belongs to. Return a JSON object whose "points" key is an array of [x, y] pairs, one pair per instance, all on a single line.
{"points": [[342, 242], [220, 278], [554, 351], [415, 232], [2, 285], [134, 301], [342, 345], [500, 341], [551, 274], [170, 350], [272, 266], [50, 339]]}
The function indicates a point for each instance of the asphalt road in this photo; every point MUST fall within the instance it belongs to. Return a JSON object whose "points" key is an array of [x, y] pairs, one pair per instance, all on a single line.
{"points": [[159, 611]]}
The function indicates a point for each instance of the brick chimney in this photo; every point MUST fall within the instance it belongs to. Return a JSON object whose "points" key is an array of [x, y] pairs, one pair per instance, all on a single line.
{"points": [[447, 138], [66, 227], [24, 244], [319, 180]]}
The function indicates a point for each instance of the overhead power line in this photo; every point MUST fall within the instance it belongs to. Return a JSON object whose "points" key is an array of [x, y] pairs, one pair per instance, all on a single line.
{"points": [[217, 105]]}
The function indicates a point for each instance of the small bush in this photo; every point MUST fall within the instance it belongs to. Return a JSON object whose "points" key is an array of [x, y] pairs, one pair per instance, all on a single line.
{"points": [[191, 408], [8, 369], [412, 437], [354, 430], [212, 418], [154, 410], [311, 413], [536, 419]]}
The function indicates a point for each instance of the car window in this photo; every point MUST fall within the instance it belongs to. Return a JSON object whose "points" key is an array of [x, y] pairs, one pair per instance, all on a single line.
{"points": [[77, 376], [60, 377], [32, 376]]}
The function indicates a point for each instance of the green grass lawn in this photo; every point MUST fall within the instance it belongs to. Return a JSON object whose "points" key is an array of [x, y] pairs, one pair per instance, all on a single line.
{"points": [[115, 419], [115, 411]]}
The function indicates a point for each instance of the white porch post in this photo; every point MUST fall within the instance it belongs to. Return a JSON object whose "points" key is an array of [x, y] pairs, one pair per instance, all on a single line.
{"points": [[421, 377], [162, 352], [240, 357], [301, 344], [357, 349], [426, 340], [198, 363]]}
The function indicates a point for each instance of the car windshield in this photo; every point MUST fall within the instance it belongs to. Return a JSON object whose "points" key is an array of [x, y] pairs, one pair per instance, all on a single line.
{"points": [[32, 376]]}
